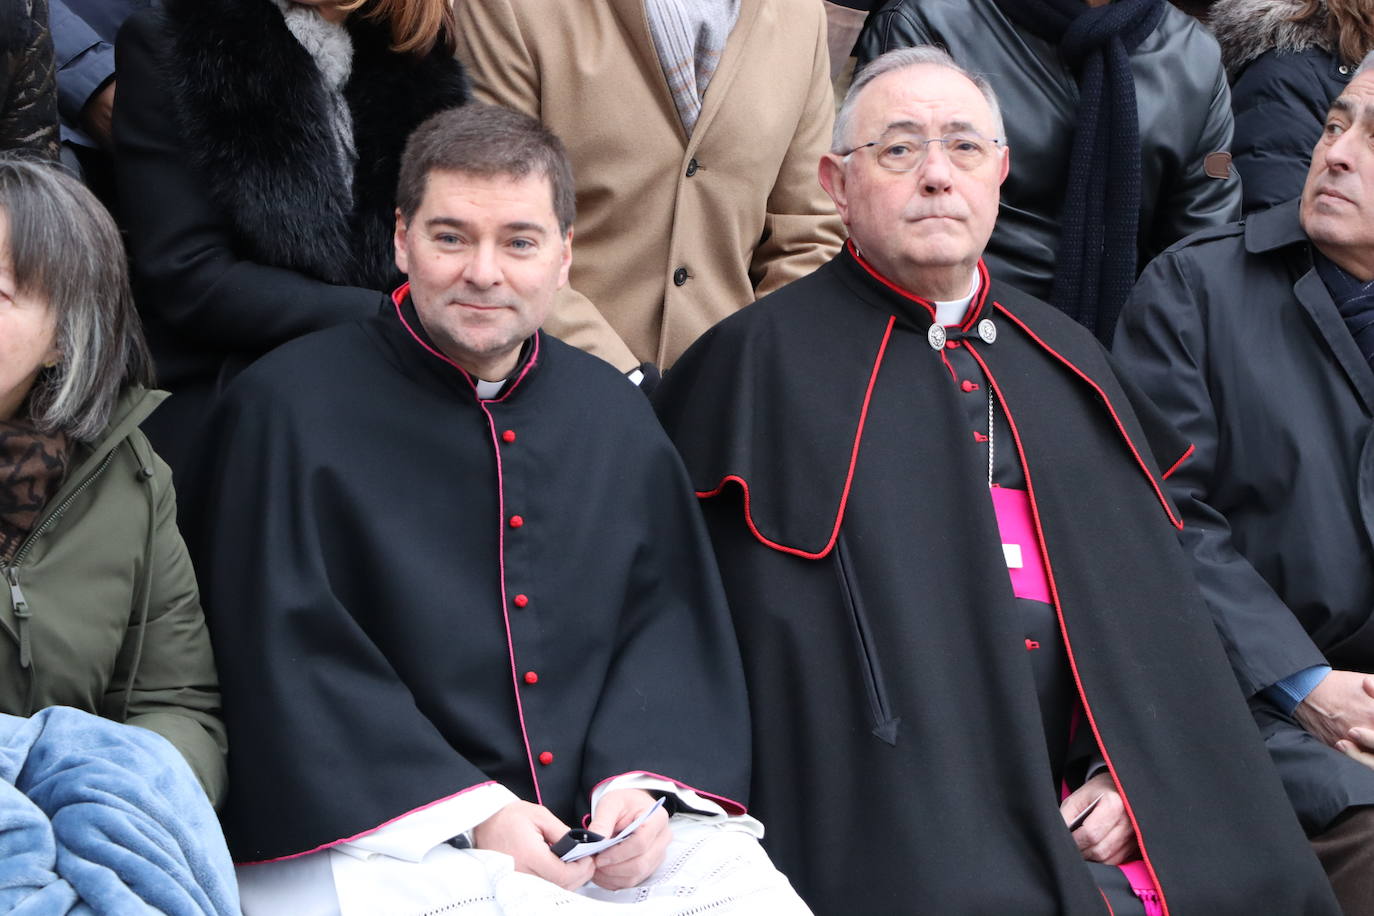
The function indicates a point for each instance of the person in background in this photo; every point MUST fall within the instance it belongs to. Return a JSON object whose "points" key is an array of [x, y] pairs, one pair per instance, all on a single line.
{"points": [[1120, 116], [83, 34], [1288, 61], [693, 127], [981, 678], [844, 20], [1256, 340], [28, 100], [257, 146], [98, 602]]}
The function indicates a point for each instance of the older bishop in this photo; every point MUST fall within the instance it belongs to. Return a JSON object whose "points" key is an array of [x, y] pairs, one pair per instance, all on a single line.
{"points": [[981, 675]]}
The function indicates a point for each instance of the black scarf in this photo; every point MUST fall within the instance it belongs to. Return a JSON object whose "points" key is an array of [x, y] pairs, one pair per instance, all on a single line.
{"points": [[1096, 264], [1355, 300]]}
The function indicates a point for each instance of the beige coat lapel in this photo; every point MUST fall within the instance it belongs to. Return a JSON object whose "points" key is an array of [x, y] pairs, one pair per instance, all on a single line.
{"points": [[635, 21], [730, 63]]}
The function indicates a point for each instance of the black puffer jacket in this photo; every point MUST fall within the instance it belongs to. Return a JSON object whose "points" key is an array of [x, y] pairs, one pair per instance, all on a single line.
{"points": [[1184, 108], [1284, 77], [28, 87]]}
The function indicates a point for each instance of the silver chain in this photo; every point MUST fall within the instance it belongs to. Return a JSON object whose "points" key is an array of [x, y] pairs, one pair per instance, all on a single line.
{"points": [[990, 433]]}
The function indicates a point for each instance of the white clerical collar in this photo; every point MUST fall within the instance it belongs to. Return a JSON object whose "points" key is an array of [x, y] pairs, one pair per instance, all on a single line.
{"points": [[952, 312], [488, 390]]}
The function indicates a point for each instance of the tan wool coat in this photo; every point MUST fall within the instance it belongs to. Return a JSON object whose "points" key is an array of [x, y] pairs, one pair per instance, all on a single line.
{"points": [[673, 233]]}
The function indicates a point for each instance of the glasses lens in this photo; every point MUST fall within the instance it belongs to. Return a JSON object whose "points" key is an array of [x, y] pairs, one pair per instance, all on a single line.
{"points": [[966, 151]]}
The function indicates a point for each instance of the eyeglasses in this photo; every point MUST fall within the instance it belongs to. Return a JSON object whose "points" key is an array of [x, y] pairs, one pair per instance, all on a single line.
{"points": [[965, 150]]}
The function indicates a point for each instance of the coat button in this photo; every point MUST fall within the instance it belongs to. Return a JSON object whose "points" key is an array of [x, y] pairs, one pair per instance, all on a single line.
{"points": [[936, 336], [546, 758], [988, 331], [680, 276], [531, 677], [521, 600], [508, 436], [692, 168], [1342, 68], [516, 521], [967, 385]]}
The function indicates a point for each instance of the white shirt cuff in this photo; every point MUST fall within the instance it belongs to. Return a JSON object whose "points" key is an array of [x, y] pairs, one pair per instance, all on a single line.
{"points": [[411, 836], [702, 808]]}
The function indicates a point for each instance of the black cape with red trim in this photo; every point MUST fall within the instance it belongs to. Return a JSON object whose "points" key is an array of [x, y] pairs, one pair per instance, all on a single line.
{"points": [[361, 561], [899, 759]]}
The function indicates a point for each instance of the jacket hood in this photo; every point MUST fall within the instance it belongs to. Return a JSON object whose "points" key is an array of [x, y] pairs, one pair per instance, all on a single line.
{"points": [[1248, 28]]}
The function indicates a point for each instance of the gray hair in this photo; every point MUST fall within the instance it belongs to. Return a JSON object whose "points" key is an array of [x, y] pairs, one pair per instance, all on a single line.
{"points": [[64, 249], [1366, 63], [900, 59]]}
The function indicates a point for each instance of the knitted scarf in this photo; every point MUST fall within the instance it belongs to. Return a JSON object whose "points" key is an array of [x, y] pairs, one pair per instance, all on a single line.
{"points": [[1355, 300], [32, 466], [1100, 215], [690, 36]]}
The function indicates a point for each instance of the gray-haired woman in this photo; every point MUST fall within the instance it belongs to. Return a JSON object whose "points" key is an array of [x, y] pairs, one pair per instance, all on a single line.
{"points": [[98, 607]]}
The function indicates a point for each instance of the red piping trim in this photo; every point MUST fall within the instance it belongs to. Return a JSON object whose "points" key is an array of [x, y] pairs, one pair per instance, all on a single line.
{"points": [[505, 610], [1110, 911], [372, 830], [924, 303], [729, 804], [975, 305], [397, 298], [1163, 501], [399, 295], [1179, 463], [1063, 627], [848, 480]]}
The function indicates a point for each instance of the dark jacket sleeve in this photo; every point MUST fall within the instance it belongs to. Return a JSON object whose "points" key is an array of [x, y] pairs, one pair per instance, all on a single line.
{"points": [[1162, 346], [164, 679], [185, 261], [1280, 102], [85, 62], [28, 85], [1194, 200]]}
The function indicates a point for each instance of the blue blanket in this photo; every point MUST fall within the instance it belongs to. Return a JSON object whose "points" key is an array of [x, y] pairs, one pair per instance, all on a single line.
{"points": [[102, 818]]}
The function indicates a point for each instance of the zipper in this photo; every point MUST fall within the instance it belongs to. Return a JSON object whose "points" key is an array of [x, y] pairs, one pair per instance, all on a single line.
{"points": [[53, 516], [884, 723], [22, 612]]}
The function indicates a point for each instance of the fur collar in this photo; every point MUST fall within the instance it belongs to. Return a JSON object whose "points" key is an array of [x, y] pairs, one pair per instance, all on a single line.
{"points": [[1248, 28], [253, 112]]}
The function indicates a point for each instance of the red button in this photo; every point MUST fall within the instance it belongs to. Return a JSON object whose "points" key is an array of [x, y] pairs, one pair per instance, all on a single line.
{"points": [[531, 677], [546, 758], [979, 437], [508, 436], [968, 386], [516, 521], [521, 600], [951, 344]]}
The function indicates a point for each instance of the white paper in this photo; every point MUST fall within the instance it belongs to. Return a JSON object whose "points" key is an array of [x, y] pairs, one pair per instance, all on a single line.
{"points": [[582, 850]]}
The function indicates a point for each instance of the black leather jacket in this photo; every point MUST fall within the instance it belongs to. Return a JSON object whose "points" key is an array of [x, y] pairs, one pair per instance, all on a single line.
{"points": [[1181, 96]]}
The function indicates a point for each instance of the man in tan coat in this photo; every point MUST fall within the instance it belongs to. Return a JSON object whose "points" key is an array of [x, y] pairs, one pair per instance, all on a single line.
{"points": [[696, 191]]}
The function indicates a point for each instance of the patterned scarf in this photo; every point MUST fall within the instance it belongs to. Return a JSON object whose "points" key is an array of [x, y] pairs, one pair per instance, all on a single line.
{"points": [[1095, 266], [32, 467], [1354, 298], [690, 36]]}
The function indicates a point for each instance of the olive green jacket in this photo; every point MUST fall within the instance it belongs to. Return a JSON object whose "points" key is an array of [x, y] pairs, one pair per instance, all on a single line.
{"points": [[99, 609]]}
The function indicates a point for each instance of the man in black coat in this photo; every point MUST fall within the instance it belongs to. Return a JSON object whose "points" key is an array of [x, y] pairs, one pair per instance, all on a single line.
{"points": [[981, 678], [1255, 339], [460, 595]]}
